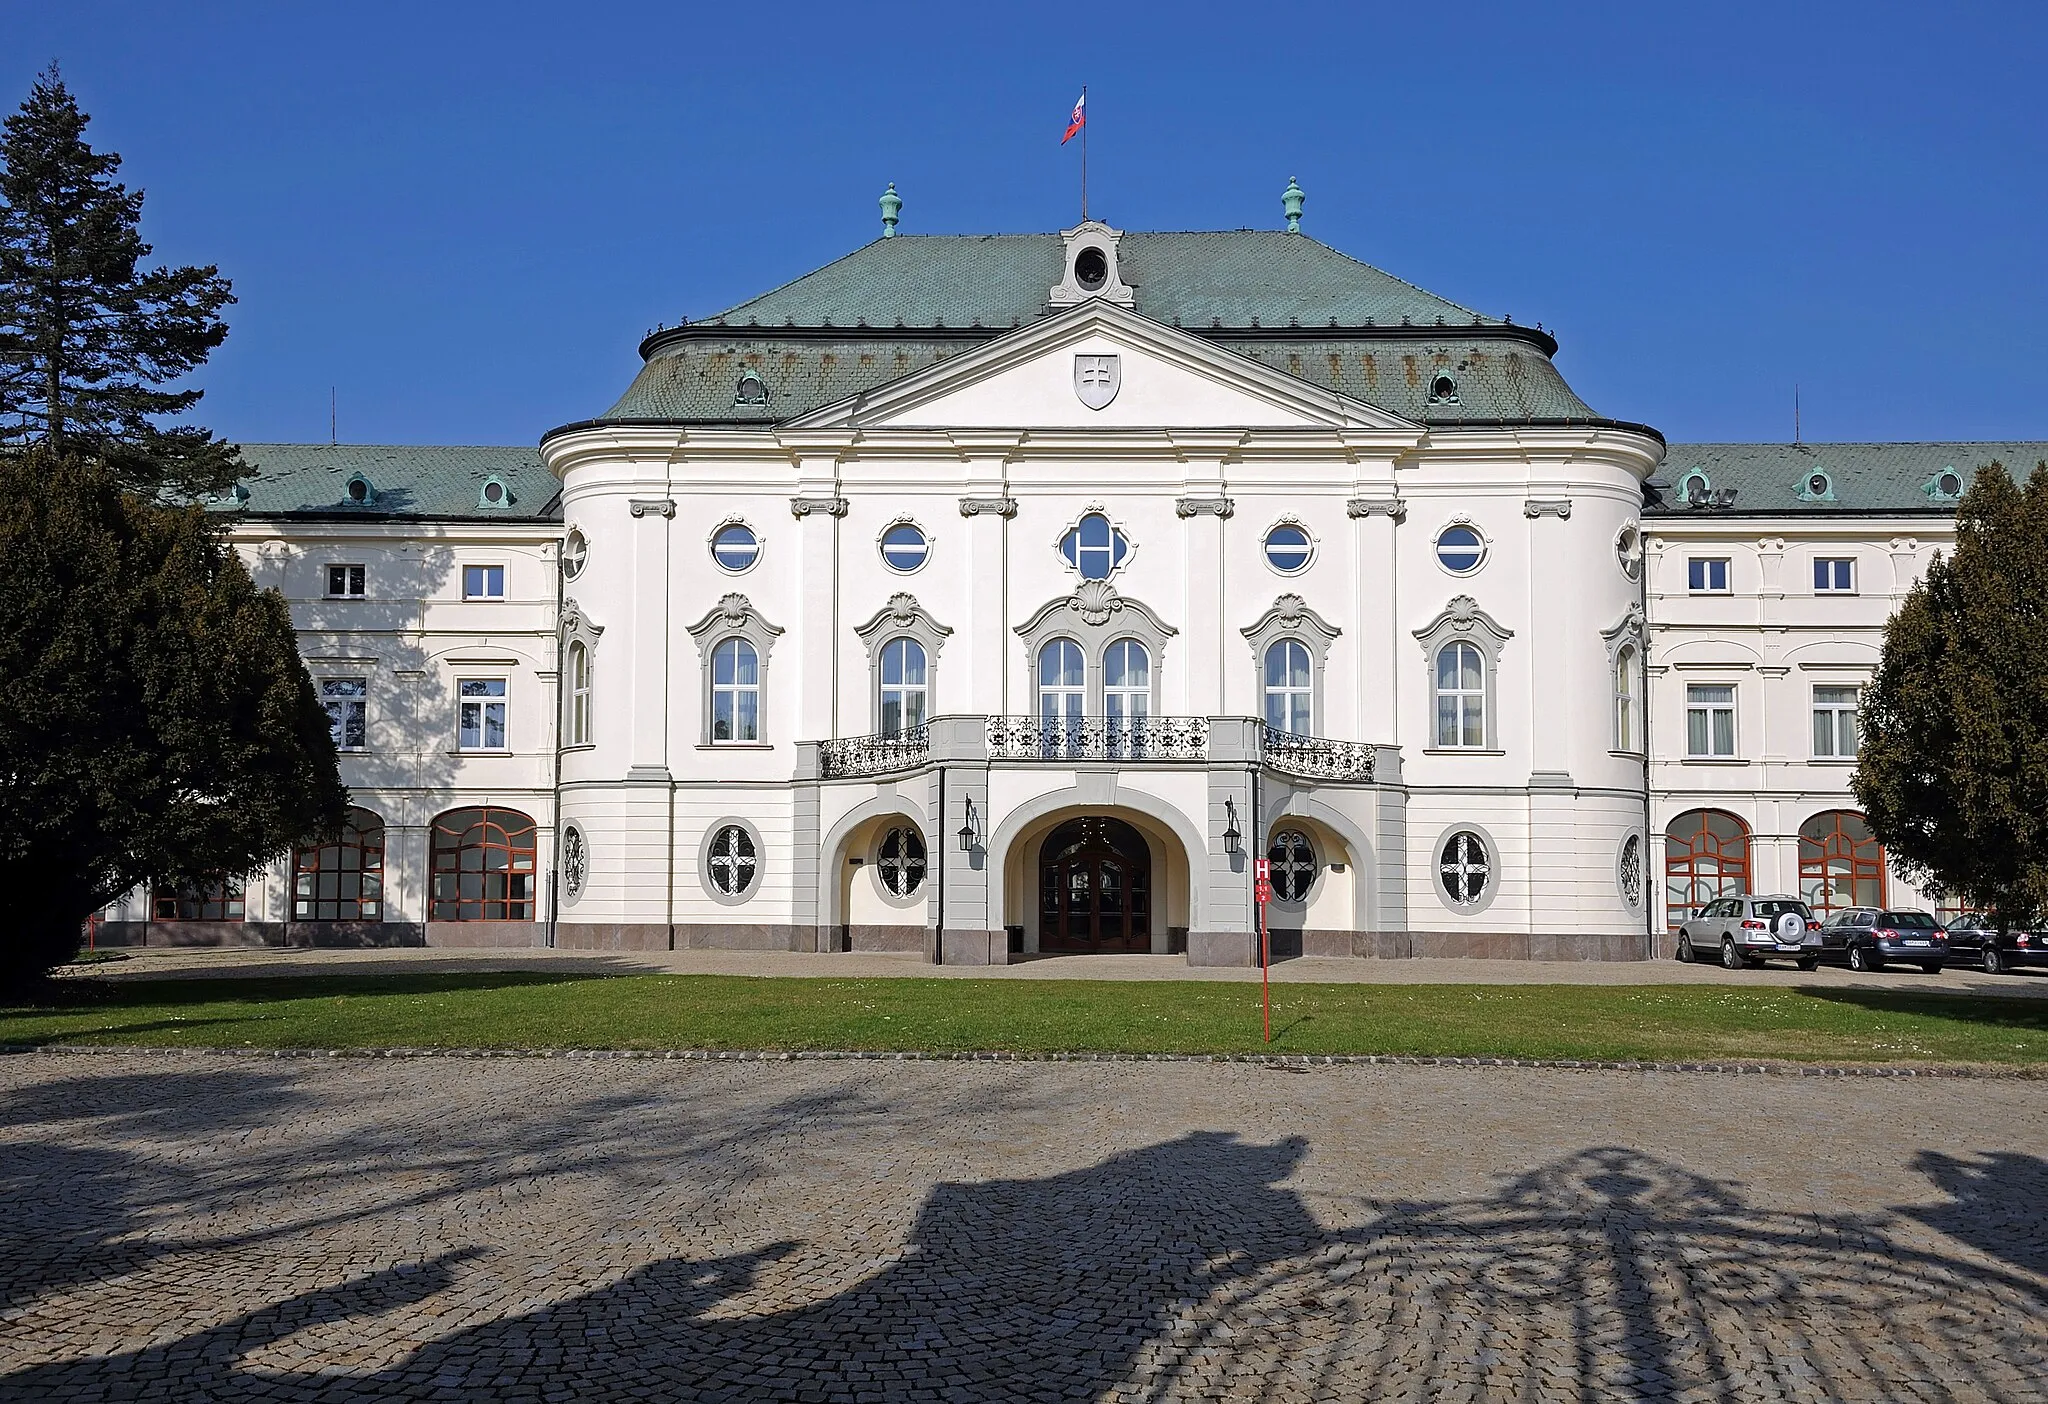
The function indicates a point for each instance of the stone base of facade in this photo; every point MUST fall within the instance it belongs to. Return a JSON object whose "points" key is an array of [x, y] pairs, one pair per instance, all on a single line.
{"points": [[325, 935], [487, 933], [878, 938], [1468, 945], [613, 936], [1239, 948], [747, 936], [975, 947]]}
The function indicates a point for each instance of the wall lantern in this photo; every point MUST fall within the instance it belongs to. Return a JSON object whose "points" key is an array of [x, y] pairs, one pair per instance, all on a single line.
{"points": [[967, 825], [1232, 839]]}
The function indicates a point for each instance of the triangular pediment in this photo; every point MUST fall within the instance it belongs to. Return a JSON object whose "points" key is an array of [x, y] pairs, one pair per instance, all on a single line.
{"points": [[1100, 366]]}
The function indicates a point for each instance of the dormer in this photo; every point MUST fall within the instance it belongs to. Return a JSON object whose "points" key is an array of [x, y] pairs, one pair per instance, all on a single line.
{"points": [[1091, 267]]}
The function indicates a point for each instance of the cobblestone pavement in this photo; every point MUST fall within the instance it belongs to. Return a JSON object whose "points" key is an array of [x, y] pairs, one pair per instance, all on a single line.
{"points": [[211, 1228], [166, 963]]}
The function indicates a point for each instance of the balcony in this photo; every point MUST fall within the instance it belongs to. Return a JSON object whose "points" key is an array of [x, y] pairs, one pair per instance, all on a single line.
{"points": [[852, 756], [1132, 740], [1226, 741], [1317, 757]]}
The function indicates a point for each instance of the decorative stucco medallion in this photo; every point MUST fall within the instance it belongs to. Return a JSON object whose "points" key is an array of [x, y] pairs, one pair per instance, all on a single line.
{"points": [[1097, 379]]}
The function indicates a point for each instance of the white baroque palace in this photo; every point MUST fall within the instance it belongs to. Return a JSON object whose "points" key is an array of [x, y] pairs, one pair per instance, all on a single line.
{"points": [[980, 597]]}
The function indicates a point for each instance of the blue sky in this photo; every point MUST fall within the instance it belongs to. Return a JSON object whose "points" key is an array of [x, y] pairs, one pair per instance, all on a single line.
{"points": [[465, 216]]}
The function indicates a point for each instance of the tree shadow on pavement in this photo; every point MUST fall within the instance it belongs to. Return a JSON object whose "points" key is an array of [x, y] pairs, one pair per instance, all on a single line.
{"points": [[1190, 1269], [1998, 1204]]}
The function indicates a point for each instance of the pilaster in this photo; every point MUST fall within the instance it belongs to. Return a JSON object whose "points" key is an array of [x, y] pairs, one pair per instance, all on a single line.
{"points": [[648, 729]]}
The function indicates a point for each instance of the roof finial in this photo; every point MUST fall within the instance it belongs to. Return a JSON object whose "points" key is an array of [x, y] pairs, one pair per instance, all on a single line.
{"points": [[892, 206], [1290, 203]]}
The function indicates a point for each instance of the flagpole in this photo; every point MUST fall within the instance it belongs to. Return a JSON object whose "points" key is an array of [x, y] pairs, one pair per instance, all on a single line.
{"points": [[1084, 153]]}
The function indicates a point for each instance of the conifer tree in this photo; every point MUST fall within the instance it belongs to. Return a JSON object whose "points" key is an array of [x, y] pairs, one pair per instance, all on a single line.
{"points": [[156, 721], [89, 337], [1953, 764]]}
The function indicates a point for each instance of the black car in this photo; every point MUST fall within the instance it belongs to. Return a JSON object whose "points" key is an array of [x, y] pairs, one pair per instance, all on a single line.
{"points": [[1866, 938], [1973, 936]]}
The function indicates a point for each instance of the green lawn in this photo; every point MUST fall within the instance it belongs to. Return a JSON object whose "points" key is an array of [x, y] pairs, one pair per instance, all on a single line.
{"points": [[538, 1010]]}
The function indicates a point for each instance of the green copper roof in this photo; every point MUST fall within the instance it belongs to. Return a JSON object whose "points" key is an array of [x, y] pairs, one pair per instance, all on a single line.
{"points": [[429, 482], [1234, 278], [697, 381], [1813, 480]]}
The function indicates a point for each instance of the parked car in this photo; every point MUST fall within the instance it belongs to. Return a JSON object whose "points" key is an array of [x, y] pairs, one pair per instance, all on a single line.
{"points": [[1747, 931], [1974, 936], [1864, 938]]}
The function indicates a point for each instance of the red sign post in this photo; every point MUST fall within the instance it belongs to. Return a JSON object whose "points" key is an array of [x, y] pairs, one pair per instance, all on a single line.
{"points": [[1262, 893]]}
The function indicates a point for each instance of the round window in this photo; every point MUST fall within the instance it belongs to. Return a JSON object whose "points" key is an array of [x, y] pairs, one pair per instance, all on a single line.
{"points": [[494, 493], [1091, 269], [1628, 551], [1293, 862], [1464, 868], [1288, 549], [735, 547], [732, 863], [1817, 484], [905, 547], [900, 861], [575, 861], [1460, 549], [575, 553], [1951, 483], [358, 490]]}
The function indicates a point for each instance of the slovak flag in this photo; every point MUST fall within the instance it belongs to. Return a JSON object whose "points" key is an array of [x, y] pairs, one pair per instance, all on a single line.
{"points": [[1078, 120]]}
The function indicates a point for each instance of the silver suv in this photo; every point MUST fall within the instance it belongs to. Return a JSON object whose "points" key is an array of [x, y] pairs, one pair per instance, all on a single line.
{"points": [[1747, 931]]}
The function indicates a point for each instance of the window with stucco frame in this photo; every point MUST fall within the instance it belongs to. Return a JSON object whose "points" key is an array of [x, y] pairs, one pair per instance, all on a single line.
{"points": [[734, 617], [1463, 621], [1095, 616], [579, 690], [1290, 619], [901, 618]]}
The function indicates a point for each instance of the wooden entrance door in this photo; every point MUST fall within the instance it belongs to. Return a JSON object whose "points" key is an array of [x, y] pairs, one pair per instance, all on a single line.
{"points": [[1095, 888]]}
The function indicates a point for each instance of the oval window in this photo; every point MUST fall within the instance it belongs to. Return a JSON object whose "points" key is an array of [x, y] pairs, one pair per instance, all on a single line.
{"points": [[575, 553], [1288, 549], [735, 547], [1091, 270], [1951, 484], [1460, 549], [905, 547]]}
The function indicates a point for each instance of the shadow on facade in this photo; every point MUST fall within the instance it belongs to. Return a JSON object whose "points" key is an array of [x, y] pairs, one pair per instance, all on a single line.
{"points": [[1184, 1269]]}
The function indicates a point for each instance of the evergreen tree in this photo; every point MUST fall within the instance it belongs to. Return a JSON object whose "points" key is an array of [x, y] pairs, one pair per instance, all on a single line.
{"points": [[1953, 765], [156, 721], [87, 336]]}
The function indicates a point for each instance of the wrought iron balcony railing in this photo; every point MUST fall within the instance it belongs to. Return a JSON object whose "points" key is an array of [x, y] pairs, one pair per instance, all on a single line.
{"points": [[873, 755], [1318, 757], [1130, 739]]}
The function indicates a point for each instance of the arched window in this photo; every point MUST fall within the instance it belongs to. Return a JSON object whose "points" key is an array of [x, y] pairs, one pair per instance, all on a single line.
{"points": [[342, 880], [1460, 696], [735, 692], [579, 694], [1062, 696], [1706, 855], [483, 866], [1289, 689], [1841, 863], [1062, 682], [1127, 681], [1625, 720], [903, 686]]}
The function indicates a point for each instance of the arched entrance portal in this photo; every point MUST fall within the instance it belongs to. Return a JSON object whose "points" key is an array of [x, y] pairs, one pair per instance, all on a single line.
{"points": [[1095, 887]]}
